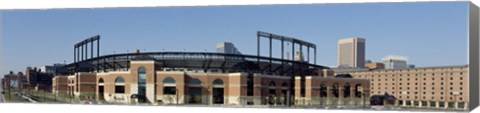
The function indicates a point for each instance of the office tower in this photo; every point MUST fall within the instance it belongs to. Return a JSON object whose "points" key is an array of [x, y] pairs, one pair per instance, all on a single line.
{"points": [[395, 62], [351, 52], [227, 48]]}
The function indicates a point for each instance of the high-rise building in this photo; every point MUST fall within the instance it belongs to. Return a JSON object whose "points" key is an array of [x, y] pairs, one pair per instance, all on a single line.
{"points": [[395, 62], [227, 48], [56, 68], [351, 52], [299, 56]]}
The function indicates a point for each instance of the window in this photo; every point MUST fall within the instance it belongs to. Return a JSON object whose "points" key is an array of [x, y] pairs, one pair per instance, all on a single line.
{"points": [[169, 86], [119, 89], [142, 80], [119, 85], [219, 83], [169, 90]]}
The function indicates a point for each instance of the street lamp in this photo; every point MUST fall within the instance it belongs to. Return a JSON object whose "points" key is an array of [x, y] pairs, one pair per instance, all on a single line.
{"points": [[176, 93]]}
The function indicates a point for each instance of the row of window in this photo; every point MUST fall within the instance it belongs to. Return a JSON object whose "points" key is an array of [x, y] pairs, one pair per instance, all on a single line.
{"points": [[393, 75], [416, 83], [416, 88], [416, 79], [409, 70], [433, 98], [169, 83]]}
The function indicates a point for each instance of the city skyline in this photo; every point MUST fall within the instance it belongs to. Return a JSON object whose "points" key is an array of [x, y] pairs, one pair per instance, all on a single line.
{"points": [[320, 24]]}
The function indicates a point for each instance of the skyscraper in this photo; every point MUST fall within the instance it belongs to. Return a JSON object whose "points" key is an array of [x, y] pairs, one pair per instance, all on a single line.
{"points": [[395, 62], [351, 52], [227, 48]]}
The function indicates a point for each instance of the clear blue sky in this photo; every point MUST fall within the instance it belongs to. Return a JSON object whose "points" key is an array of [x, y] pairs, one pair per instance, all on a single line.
{"points": [[430, 34]]}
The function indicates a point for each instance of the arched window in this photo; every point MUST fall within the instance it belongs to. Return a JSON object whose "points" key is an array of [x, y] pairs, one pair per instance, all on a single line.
{"points": [[119, 85], [195, 83], [169, 86], [346, 90], [323, 90], [169, 81], [218, 83], [272, 85], [101, 82], [195, 91], [284, 86]]}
